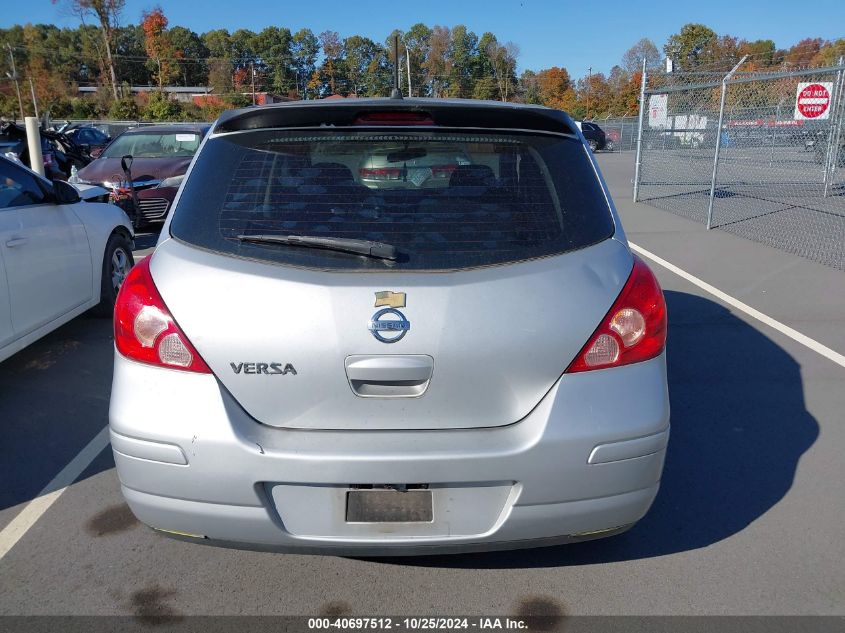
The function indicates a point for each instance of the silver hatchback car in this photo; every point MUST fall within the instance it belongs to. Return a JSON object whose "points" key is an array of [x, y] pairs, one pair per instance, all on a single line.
{"points": [[311, 363]]}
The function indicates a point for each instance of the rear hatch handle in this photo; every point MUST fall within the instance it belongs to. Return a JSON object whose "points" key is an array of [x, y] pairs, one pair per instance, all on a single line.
{"points": [[389, 375]]}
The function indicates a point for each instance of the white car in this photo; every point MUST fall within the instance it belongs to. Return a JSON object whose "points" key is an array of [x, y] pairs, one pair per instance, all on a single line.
{"points": [[59, 255]]}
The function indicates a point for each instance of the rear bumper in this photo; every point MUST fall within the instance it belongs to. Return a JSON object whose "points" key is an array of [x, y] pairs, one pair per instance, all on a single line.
{"points": [[585, 463]]}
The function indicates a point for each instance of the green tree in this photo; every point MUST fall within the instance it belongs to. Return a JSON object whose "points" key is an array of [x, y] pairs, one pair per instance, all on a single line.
{"points": [[691, 47], [485, 88], [529, 87], [107, 14], [500, 60], [304, 50], [416, 43], [218, 42], [830, 53], [81, 108], [161, 108], [191, 56], [124, 109], [464, 55], [364, 61], [274, 59], [761, 53], [130, 56]]}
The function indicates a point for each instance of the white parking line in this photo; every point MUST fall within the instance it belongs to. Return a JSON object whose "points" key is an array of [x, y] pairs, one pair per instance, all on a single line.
{"points": [[795, 335], [27, 517]]}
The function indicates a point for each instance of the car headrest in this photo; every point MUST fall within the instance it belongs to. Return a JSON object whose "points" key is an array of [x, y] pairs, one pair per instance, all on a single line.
{"points": [[334, 173], [472, 176]]}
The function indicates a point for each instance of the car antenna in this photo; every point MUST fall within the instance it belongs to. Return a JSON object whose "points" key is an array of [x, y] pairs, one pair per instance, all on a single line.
{"points": [[396, 93]]}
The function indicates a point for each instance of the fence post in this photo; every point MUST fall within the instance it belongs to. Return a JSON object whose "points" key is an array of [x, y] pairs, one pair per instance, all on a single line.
{"points": [[725, 80], [640, 137], [621, 134], [831, 157], [774, 128], [837, 145]]}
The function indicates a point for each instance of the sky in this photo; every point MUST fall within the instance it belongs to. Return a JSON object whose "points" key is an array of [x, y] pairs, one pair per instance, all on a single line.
{"points": [[576, 36]]}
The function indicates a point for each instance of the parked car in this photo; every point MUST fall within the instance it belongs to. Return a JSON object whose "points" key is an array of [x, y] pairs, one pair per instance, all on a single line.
{"points": [[821, 145], [89, 138], [59, 256], [345, 369], [13, 142], [400, 167], [613, 139], [596, 138], [160, 157]]}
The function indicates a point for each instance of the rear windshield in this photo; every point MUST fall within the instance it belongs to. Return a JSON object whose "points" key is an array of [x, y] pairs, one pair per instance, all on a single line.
{"points": [[443, 200]]}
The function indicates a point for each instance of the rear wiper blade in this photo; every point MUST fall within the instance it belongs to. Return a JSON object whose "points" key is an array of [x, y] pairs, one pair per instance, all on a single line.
{"points": [[376, 250]]}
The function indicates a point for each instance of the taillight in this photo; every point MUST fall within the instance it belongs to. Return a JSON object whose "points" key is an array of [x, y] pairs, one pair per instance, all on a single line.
{"points": [[391, 117], [633, 330], [380, 173], [443, 171], [144, 329]]}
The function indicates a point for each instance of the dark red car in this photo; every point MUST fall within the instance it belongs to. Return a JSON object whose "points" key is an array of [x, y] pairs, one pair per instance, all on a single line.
{"points": [[160, 157]]}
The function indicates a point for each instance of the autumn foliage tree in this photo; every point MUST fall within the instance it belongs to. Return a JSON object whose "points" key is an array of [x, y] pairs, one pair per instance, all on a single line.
{"points": [[332, 49], [554, 87], [159, 48], [444, 61]]}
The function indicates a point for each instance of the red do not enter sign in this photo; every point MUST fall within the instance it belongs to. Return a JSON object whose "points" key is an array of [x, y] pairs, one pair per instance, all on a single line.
{"points": [[812, 101]]}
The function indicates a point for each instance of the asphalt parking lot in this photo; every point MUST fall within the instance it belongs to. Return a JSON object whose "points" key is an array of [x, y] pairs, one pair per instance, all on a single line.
{"points": [[749, 519]]}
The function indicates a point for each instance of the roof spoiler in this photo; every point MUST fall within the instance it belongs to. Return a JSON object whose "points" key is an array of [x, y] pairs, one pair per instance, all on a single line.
{"points": [[354, 112]]}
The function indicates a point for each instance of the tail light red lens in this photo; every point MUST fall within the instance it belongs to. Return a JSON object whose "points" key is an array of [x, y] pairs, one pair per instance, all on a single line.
{"points": [[380, 173], [634, 328], [443, 171], [394, 118], [144, 329]]}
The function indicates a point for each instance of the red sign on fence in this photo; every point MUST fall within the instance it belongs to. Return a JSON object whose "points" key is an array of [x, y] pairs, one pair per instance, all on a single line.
{"points": [[812, 100]]}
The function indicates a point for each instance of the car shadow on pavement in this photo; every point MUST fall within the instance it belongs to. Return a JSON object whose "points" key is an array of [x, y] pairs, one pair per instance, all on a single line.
{"points": [[146, 240], [739, 427], [54, 397]]}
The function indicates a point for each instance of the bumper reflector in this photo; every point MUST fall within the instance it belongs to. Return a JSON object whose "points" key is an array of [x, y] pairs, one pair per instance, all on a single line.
{"points": [[178, 533], [597, 532]]}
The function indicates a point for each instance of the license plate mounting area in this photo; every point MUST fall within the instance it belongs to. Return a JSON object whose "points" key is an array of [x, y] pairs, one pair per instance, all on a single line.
{"points": [[389, 504]]}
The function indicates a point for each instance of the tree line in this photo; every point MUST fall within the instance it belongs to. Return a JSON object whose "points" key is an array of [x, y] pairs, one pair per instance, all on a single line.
{"points": [[439, 61]]}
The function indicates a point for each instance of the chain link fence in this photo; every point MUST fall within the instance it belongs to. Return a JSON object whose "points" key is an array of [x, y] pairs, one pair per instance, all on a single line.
{"points": [[760, 155]]}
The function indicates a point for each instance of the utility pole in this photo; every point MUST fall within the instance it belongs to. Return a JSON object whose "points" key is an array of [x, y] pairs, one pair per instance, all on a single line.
{"points": [[252, 72], [34, 100], [14, 77], [589, 87], [408, 56], [395, 92]]}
